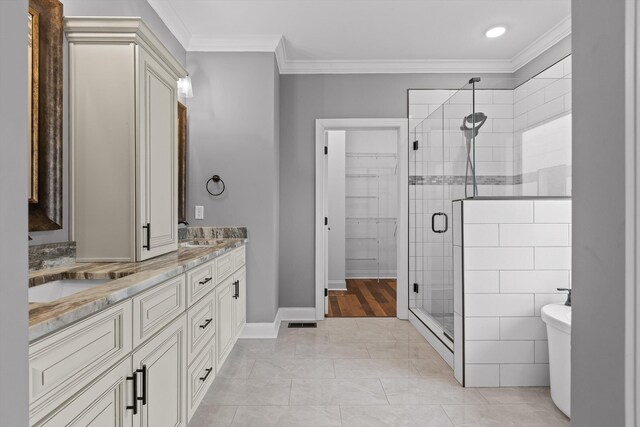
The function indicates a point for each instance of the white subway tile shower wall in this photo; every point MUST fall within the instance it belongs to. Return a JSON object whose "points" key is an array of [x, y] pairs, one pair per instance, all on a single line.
{"points": [[542, 133], [516, 254]]}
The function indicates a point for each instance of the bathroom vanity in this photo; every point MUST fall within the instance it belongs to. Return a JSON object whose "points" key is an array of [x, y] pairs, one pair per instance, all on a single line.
{"points": [[133, 332], [138, 349]]}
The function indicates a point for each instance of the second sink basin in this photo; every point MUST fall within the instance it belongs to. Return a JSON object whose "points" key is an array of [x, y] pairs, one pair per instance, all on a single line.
{"points": [[57, 289]]}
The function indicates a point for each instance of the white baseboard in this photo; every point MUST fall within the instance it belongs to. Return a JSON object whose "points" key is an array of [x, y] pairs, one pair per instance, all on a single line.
{"points": [[269, 330], [337, 285]]}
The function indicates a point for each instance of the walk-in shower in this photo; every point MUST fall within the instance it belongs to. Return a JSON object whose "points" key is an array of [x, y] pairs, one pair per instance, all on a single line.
{"points": [[492, 138]]}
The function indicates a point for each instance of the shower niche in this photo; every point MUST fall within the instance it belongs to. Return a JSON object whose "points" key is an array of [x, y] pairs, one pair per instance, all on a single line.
{"points": [[494, 138]]}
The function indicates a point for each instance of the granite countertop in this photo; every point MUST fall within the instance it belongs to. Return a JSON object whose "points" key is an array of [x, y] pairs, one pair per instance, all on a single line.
{"points": [[129, 279]]}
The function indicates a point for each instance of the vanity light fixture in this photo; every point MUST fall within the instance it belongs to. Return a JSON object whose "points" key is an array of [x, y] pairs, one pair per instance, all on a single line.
{"points": [[185, 89], [494, 32]]}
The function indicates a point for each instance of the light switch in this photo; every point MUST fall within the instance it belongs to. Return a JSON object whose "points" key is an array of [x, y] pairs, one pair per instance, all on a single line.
{"points": [[199, 212]]}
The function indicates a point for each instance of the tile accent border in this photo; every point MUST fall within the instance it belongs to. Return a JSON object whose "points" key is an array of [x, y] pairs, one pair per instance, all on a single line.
{"points": [[460, 180]]}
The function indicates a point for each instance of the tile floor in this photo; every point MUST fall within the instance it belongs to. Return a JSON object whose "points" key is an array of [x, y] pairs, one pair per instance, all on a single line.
{"points": [[358, 372]]}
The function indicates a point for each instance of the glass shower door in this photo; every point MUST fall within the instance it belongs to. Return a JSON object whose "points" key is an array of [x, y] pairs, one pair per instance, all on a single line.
{"points": [[437, 174], [429, 223]]}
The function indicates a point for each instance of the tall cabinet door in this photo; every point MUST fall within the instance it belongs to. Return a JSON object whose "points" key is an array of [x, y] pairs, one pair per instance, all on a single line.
{"points": [[157, 159], [102, 404], [161, 365], [240, 301], [225, 319]]}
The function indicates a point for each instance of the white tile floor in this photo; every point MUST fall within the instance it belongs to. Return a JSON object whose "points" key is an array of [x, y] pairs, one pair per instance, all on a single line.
{"points": [[358, 372]]}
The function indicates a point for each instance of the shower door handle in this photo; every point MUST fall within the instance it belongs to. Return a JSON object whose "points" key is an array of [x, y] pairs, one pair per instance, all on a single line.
{"points": [[433, 222]]}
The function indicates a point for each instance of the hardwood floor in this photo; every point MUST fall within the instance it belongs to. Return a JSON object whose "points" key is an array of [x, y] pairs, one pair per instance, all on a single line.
{"points": [[364, 298]]}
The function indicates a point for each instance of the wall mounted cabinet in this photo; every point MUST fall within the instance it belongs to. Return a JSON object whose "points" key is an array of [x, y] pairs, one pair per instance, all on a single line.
{"points": [[123, 140]]}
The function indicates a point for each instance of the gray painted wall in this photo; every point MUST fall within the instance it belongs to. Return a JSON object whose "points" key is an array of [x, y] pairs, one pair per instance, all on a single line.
{"points": [[13, 214], [233, 132], [598, 331], [304, 98], [102, 8]]}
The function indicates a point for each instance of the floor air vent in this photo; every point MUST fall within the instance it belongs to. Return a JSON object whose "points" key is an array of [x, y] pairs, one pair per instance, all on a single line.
{"points": [[303, 325]]}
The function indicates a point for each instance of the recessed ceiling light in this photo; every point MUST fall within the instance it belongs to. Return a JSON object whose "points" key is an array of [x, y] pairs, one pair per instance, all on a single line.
{"points": [[494, 32]]}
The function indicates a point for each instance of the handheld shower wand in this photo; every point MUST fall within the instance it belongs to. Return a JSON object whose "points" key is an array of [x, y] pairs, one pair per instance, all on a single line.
{"points": [[476, 120]]}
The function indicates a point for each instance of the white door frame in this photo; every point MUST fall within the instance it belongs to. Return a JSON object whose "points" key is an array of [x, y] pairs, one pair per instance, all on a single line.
{"points": [[401, 126]]}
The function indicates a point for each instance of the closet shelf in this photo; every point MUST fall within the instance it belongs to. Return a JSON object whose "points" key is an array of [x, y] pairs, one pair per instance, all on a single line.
{"points": [[362, 197], [379, 219], [391, 155], [361, 259]]}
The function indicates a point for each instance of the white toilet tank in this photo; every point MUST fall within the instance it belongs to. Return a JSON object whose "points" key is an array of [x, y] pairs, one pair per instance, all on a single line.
{"points": [[558, 320]]}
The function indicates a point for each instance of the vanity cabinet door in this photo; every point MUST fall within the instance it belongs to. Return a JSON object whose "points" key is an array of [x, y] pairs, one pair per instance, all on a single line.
{"points": [[157, 159], [240, 301], [225, 319], [102, 404], [161, 364]]}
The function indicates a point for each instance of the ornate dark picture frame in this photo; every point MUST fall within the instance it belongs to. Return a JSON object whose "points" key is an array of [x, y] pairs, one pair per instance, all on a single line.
{"points": [[46, 212], [182, 162]]}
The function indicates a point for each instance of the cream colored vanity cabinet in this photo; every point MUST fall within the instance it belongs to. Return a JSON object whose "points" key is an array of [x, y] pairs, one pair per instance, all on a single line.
{"points": [[102, 404], [145, 362], [161, 367], [63, 363], [123, 140], [225, 292], [231, 301], [240, 301]]}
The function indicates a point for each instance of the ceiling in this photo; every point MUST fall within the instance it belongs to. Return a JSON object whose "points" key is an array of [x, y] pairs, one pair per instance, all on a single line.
{"points": [[372, 35]]}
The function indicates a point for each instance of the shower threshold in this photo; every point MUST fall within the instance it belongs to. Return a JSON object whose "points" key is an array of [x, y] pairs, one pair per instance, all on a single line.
{"points": [[436, 328]]}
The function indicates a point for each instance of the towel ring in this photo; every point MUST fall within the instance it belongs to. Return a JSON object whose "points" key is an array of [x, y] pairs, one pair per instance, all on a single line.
{"points": [[216, 179]]}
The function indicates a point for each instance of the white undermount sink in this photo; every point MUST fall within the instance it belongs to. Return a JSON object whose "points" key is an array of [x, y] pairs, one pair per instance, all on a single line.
{"points": [[57, 289]]}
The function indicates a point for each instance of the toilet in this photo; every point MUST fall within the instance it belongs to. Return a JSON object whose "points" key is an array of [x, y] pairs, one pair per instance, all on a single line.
{"points": [[558, 320]]}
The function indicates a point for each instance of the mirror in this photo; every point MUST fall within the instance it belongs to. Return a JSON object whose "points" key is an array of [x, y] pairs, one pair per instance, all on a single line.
{"points": [[182, 162], [45, 27], [32, 103]]}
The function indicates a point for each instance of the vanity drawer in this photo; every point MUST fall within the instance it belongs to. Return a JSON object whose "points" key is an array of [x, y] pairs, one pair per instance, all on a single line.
{"points": [[156, 308], [224, 267], [238, 258], [200, 281], [200, 375], [64, 362], [201, 319]]}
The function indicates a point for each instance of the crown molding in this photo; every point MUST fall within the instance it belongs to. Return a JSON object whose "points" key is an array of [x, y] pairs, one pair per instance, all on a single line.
{"points": [[395, 67], [172, 20], [120, 29], [542, 44], [276, 44]]}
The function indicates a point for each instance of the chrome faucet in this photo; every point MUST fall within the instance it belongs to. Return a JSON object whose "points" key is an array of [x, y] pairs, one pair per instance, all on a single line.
{"points": [[568, 301]]}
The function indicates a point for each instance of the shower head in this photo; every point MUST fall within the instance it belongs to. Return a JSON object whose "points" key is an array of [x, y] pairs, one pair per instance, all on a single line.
{"points": [[472, 124]]}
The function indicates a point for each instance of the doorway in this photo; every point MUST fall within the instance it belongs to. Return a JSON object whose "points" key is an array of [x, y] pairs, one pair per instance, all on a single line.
{"points": [[361, 243]]}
